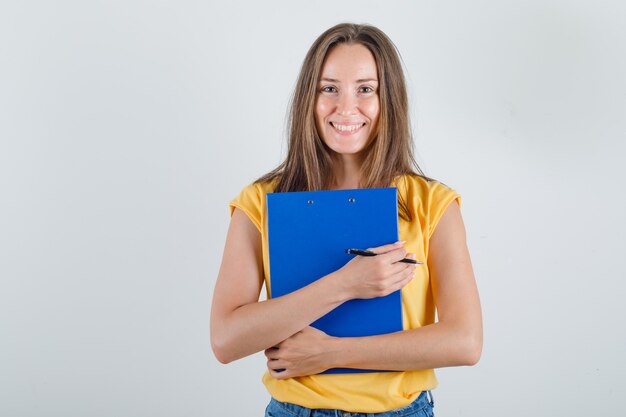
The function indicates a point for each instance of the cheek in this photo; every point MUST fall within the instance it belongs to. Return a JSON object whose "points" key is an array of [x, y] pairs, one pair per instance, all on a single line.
{"points": [[319, 118], [371, 109], [323, 108]]}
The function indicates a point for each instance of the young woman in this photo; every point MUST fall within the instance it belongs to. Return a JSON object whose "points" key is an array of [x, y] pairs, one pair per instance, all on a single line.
{"points": [[349, 128]]}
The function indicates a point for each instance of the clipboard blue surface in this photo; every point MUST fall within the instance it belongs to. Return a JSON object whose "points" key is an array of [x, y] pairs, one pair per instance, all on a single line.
{"points": [[308, 233]]}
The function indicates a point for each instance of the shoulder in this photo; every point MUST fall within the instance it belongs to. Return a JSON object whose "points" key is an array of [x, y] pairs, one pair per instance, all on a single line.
{"points": [[418, 187], [427, 198], [256, 190], [251, 200]]}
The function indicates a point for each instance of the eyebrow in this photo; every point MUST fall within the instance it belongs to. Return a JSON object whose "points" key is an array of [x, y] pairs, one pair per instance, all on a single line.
{"points": [[362, 80]]}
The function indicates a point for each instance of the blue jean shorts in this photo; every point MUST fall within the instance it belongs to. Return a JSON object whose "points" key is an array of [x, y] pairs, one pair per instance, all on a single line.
{"points": [[421, 407]]}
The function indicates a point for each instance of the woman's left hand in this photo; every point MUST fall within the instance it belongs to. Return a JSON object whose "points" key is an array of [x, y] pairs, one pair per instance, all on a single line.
{"points": [[307, 352]]}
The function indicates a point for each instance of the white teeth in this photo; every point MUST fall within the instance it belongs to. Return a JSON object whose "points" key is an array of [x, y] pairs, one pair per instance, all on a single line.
{"points": [[347, 128]]}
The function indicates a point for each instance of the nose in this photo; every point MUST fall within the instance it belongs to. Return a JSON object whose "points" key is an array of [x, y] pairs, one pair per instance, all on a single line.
{"points": [[346, 104]]}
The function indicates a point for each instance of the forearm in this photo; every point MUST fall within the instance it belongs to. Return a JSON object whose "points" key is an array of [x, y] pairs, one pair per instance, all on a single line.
{"points": [[434, 346], [257, 326]]}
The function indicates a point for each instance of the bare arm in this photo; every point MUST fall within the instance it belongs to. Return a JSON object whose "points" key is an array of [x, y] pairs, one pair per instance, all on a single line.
{"points": [[456, 339], [241, 325]]}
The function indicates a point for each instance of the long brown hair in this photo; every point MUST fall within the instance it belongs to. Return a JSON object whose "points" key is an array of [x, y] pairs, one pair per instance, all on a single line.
{"points": [[308, 165]]}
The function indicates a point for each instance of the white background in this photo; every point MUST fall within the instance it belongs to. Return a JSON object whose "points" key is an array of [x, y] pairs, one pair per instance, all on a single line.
{"points": [[127, 126]]}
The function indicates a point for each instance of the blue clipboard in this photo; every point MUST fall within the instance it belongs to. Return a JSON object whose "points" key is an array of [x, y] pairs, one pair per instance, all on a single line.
{"points": [[308, 234]]}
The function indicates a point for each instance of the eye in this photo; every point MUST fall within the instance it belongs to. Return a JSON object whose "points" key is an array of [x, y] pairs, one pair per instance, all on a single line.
{"points": [[328, 89], [366, 89]]}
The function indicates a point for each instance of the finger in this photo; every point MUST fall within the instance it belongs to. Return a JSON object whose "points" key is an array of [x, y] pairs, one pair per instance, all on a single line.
{"points": [[280, 374], [388, 267], [405, 275], [271, 351], [386, 248], [277, 364], [402, 282], [402, 272], [402, 275], [394, 256], [414, 256]]}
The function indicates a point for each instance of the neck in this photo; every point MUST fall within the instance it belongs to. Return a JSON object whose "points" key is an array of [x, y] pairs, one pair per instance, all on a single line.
{"points": [[347, 172]]}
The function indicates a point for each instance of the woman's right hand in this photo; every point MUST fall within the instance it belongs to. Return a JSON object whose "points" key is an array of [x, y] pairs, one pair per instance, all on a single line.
{"points": [[376, 276]]}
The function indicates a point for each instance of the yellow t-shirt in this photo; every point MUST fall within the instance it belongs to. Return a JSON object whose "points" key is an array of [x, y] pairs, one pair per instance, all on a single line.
{"points": [[377, 391]]}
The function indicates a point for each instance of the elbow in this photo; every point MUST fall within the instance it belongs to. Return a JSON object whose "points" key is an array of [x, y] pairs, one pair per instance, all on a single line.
{"points": [[221, 349], [466, 345], [221, 355], [472, 357], [472, 350], [221, 340]]}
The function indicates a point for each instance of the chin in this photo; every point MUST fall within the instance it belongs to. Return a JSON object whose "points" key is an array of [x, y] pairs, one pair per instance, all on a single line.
{"points": [[341, 149], [346, 149]]}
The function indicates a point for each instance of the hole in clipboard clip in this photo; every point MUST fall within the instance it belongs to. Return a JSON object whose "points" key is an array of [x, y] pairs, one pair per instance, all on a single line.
{"points": [[351, 200], [310, 201]]}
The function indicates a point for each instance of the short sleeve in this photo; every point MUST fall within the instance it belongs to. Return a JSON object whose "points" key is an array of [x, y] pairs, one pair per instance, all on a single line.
{"points": [[439, 198], [250, 202]]}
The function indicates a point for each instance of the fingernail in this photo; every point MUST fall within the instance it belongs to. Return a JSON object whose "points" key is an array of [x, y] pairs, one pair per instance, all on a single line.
{"points": [[400, 242]]}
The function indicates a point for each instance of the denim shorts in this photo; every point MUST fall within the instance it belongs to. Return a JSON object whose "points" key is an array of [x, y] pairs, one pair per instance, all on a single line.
{"points": [[421, 407]]}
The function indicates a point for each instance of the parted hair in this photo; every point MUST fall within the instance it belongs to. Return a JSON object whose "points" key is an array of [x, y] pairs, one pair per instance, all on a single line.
{"points": [[389, 154]]}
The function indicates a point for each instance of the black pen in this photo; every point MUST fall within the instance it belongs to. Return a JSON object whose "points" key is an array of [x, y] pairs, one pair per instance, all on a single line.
{"points": [[362, 252]]}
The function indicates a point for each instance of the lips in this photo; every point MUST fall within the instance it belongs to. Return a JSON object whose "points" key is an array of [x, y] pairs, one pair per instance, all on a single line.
{"points": [[345, 128]]}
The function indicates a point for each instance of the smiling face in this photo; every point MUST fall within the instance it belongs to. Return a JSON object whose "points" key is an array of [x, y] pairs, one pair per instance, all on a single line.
{"points": [[347, 106]]}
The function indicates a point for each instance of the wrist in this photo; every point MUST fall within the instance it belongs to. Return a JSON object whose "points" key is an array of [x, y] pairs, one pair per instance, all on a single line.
{"points": [[335, 352], [337, 282]]}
